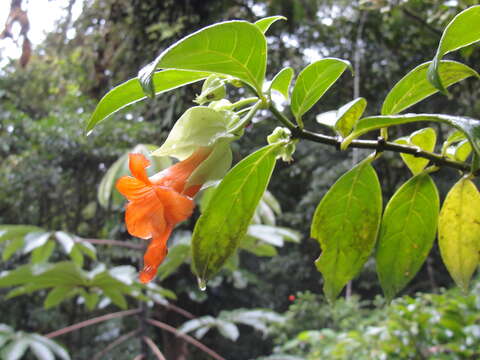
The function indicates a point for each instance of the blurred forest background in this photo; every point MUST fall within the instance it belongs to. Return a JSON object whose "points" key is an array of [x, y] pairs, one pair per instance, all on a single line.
{"points": [[50, 174]]}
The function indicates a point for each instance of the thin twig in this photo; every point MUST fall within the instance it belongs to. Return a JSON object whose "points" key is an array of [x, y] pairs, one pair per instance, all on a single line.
{"points": [[178, 310], [93, 321], [126, 244], [138, 357], [117, 342], [154, 348], [185, 337]]}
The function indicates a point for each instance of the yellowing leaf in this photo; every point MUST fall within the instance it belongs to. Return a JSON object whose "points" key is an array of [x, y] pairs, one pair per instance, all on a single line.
{"points": [[459, 231]]}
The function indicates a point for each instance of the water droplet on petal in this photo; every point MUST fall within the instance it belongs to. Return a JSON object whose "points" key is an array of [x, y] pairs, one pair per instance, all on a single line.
{"points": [[202, 284]]}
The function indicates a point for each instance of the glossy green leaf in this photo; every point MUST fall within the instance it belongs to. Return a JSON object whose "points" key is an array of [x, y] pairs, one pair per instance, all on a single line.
{"points": [[424, 139], [314, 81], [459, 231], [235, 48], [34, 240], [131, 92], [455, 137], [265, 23], [52, 345], [16, 349], [414, 87], [281, 82], [229, 212], [346, 224], [115, 296], [348, 115], [12, 247], [57, 295], [470, 127], [198, 126], [463, 30], [407, 233]]}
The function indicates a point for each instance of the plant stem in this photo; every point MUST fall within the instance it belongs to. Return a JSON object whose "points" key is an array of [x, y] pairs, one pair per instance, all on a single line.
{"points": [[93, 321], [377, 145], [186, 337], [244, 102], [117, 342], [247, 118], [154, 348]]}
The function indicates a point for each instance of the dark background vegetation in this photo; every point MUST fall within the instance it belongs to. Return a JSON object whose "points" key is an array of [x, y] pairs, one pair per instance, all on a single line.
{"points": [[49, 169]]}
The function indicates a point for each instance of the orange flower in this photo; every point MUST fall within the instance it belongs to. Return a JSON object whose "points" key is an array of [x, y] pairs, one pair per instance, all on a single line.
{"points": [[158, 203]]}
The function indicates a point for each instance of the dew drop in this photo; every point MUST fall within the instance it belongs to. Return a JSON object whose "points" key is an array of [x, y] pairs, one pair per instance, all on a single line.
{"points": [[202, 284]]}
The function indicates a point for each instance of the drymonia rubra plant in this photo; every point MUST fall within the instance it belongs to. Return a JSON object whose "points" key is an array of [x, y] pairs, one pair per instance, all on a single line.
{"points": [[349, 223]]}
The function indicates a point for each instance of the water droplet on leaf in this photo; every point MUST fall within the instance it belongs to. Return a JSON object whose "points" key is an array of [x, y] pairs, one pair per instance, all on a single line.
{"points": [[202, 284]]}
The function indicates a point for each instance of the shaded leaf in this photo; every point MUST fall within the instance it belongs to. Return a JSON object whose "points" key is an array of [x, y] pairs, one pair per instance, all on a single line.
{"points": [[346, 224], [348, 114], [407, 233], [56, 296]]}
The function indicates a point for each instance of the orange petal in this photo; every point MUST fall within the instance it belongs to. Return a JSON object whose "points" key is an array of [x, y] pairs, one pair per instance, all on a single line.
{"points": [[145, 216], [177, 207], [138, 164], [132, 188], [154, 256], [177, 175]]}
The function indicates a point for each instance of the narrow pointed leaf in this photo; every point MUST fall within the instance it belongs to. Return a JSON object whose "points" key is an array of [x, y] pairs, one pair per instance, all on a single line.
{"points": [[314, 81], [56, 348], [265, 23], [414, 87], [407, 233], [459, 231], [42, 254], [346, 224], [57, 295], [16, 349], [130, 92], [463, 30], [229, 212], [470, 127], [41, 351], [281, 82], [348, 115], [235, 48], [425, 139]]}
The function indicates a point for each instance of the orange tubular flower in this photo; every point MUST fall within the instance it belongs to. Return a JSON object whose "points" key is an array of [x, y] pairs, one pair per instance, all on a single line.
{"points": [[158, 203]]}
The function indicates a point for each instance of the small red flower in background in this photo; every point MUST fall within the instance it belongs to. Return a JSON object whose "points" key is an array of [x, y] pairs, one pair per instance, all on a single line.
{"points": [[291, 298], [158, 203]]}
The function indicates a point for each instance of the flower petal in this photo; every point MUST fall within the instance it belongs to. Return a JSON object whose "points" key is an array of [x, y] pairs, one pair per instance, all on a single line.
{"points": [[177, 207], [145, 216], [155, 254], [138, 164], [132, 188]]}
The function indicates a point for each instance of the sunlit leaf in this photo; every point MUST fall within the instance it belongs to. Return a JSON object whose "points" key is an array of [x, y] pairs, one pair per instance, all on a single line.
{"points": [[407, 233], [346, 224], [235, 48], [281, 82], [424, 139], [463, 30], [314, 81], [130, 92], [229, 212], [459, 231], [265, 23], [414, 87], [348, 114]]}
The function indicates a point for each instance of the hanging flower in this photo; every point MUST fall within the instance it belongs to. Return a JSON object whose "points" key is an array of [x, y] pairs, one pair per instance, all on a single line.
{"points": [[156, 204]]}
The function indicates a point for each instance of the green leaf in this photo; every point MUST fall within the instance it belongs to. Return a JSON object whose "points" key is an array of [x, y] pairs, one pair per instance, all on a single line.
{"points": [[281, 82], [459, 231], [251, 244], [346, 224], [12, 247], [35, 240], [235, 48], [348, 115], [115, 296], [229, 212], [462, 31], [265, 23], [130, 92], [87, 248], [314, 81], [91, 299], [52, 345], [470, 127], [10, 232], [414, 87], [56, 296], [42, 254], [76, 255], [407, 233], [425, 139], [198, 126]]}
